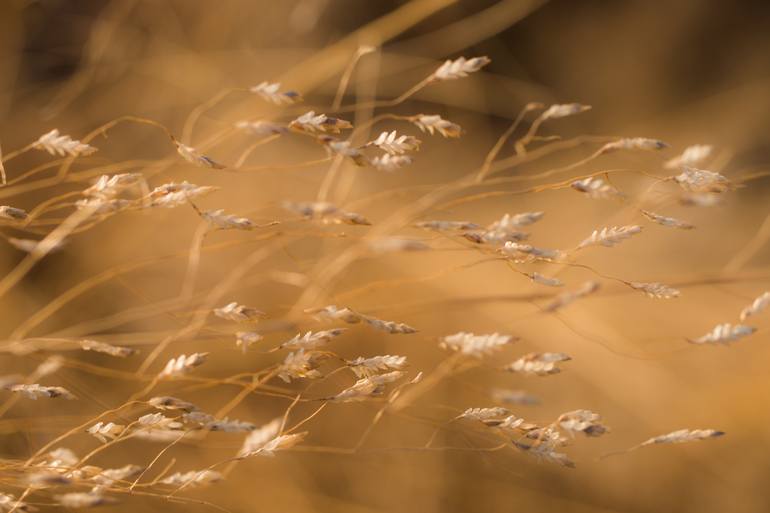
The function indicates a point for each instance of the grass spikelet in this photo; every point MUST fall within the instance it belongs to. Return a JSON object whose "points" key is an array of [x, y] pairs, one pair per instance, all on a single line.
{"points": [[447, 226], [325, 212], [583, 421], [667, 221], [724, 334], [633, 143], [539, 364], [273, 94], [563, 110], [261, 128], [34, 391], [756, 307], [312, 340], [365, 367], [78, 500], [246, 339], [459, 68], [610, 236], [103, 347], [682, 436], [312, 123], [691, 156], [433, 123], [56, 144], [367, 387], [389, 162], [191, 155], [193, 478], [301, 365], [476, 346], [105, 432], [172, 195], [596, 188], [182, 364], [395, 144], [171, 403], [700, 180], [545, 280], [515, 397], [12, 213], [223, 221], [238, 313], [656, 290]]}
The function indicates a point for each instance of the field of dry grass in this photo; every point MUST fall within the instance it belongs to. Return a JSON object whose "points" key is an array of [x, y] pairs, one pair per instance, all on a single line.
{"points": [[427, 255]]}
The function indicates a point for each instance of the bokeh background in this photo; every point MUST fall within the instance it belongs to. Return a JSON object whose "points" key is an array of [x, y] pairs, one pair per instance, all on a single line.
{"points": [[684, 71]]}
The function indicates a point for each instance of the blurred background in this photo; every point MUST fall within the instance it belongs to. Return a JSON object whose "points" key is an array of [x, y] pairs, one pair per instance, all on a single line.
{"points": [[684, 71]]}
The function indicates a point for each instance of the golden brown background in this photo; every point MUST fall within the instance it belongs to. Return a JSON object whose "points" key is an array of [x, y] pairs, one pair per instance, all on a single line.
{"points": [[685, 71]]}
